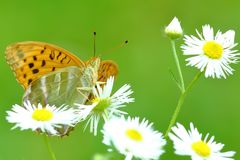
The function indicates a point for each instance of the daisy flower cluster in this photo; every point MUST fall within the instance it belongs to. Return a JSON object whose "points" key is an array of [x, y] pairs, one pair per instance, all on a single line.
{"points": [[133, 137]]}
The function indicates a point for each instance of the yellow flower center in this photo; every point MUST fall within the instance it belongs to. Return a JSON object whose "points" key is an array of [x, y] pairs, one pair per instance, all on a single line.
{"points": [[135, 135], [201, 148], [42, 115], [102, 104], [213, 50]]}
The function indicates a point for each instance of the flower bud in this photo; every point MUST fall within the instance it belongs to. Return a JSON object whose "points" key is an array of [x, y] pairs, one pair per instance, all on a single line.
{"points": [[174, 29]]}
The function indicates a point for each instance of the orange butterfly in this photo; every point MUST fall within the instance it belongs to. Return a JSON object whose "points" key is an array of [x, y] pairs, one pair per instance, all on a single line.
{"points": [[31, 60]]}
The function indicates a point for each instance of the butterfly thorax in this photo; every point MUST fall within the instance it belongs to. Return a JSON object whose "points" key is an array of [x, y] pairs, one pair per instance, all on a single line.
{"points": [[90, 71]]}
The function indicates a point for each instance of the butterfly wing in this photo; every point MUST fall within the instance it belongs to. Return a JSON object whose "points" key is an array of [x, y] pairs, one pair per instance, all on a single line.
{"points": [[107, 68], [31, 60], [59, 87]]}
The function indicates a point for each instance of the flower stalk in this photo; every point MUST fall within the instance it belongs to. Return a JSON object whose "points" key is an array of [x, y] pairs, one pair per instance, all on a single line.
{"points": [[49, 147], [180, 103]]}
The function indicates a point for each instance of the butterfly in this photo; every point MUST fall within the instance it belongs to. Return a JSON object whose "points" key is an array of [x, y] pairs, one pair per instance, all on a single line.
{"points": [[53, 75]]}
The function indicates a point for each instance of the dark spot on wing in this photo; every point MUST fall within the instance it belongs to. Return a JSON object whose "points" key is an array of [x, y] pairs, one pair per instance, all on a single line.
{"points": [[63, 59], [30, 65], [52, 55], [59, 54], [34, 58], [34, 71], [43, 63], [69, 61]]}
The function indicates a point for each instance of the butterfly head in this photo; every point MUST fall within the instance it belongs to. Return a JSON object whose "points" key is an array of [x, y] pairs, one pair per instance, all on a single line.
{"points": [[94, 62]]}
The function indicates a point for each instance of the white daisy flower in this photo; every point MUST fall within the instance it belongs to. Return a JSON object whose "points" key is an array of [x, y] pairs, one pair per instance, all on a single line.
{"points": [[133, 138], [104, 104], [46, 119], [191, 143], [174, 29], [212, 54]]}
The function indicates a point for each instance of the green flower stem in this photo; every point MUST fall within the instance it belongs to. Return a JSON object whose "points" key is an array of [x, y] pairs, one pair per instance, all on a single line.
{"points": [[178, 65], [53, 157], [180, 102]]}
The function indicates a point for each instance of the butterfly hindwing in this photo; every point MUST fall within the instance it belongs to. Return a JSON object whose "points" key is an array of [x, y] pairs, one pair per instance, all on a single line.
{"points": [[107, 68], [31, 60], [60, 87]]}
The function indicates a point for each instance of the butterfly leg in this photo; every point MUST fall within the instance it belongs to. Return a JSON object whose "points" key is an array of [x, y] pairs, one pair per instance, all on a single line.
{"points": [[88, 89], [81, 89], [84, 88]]}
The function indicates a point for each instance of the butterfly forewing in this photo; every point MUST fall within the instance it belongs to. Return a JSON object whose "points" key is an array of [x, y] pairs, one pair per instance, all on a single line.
{"points": [[31, 60]]}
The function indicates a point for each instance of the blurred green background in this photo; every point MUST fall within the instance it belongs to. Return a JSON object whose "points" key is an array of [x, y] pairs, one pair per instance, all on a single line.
{"points": [[213, 105]]}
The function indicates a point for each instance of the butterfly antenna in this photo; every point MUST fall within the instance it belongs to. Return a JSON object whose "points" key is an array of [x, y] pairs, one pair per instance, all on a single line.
{"points": [[94, 43], [117, 47]]}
